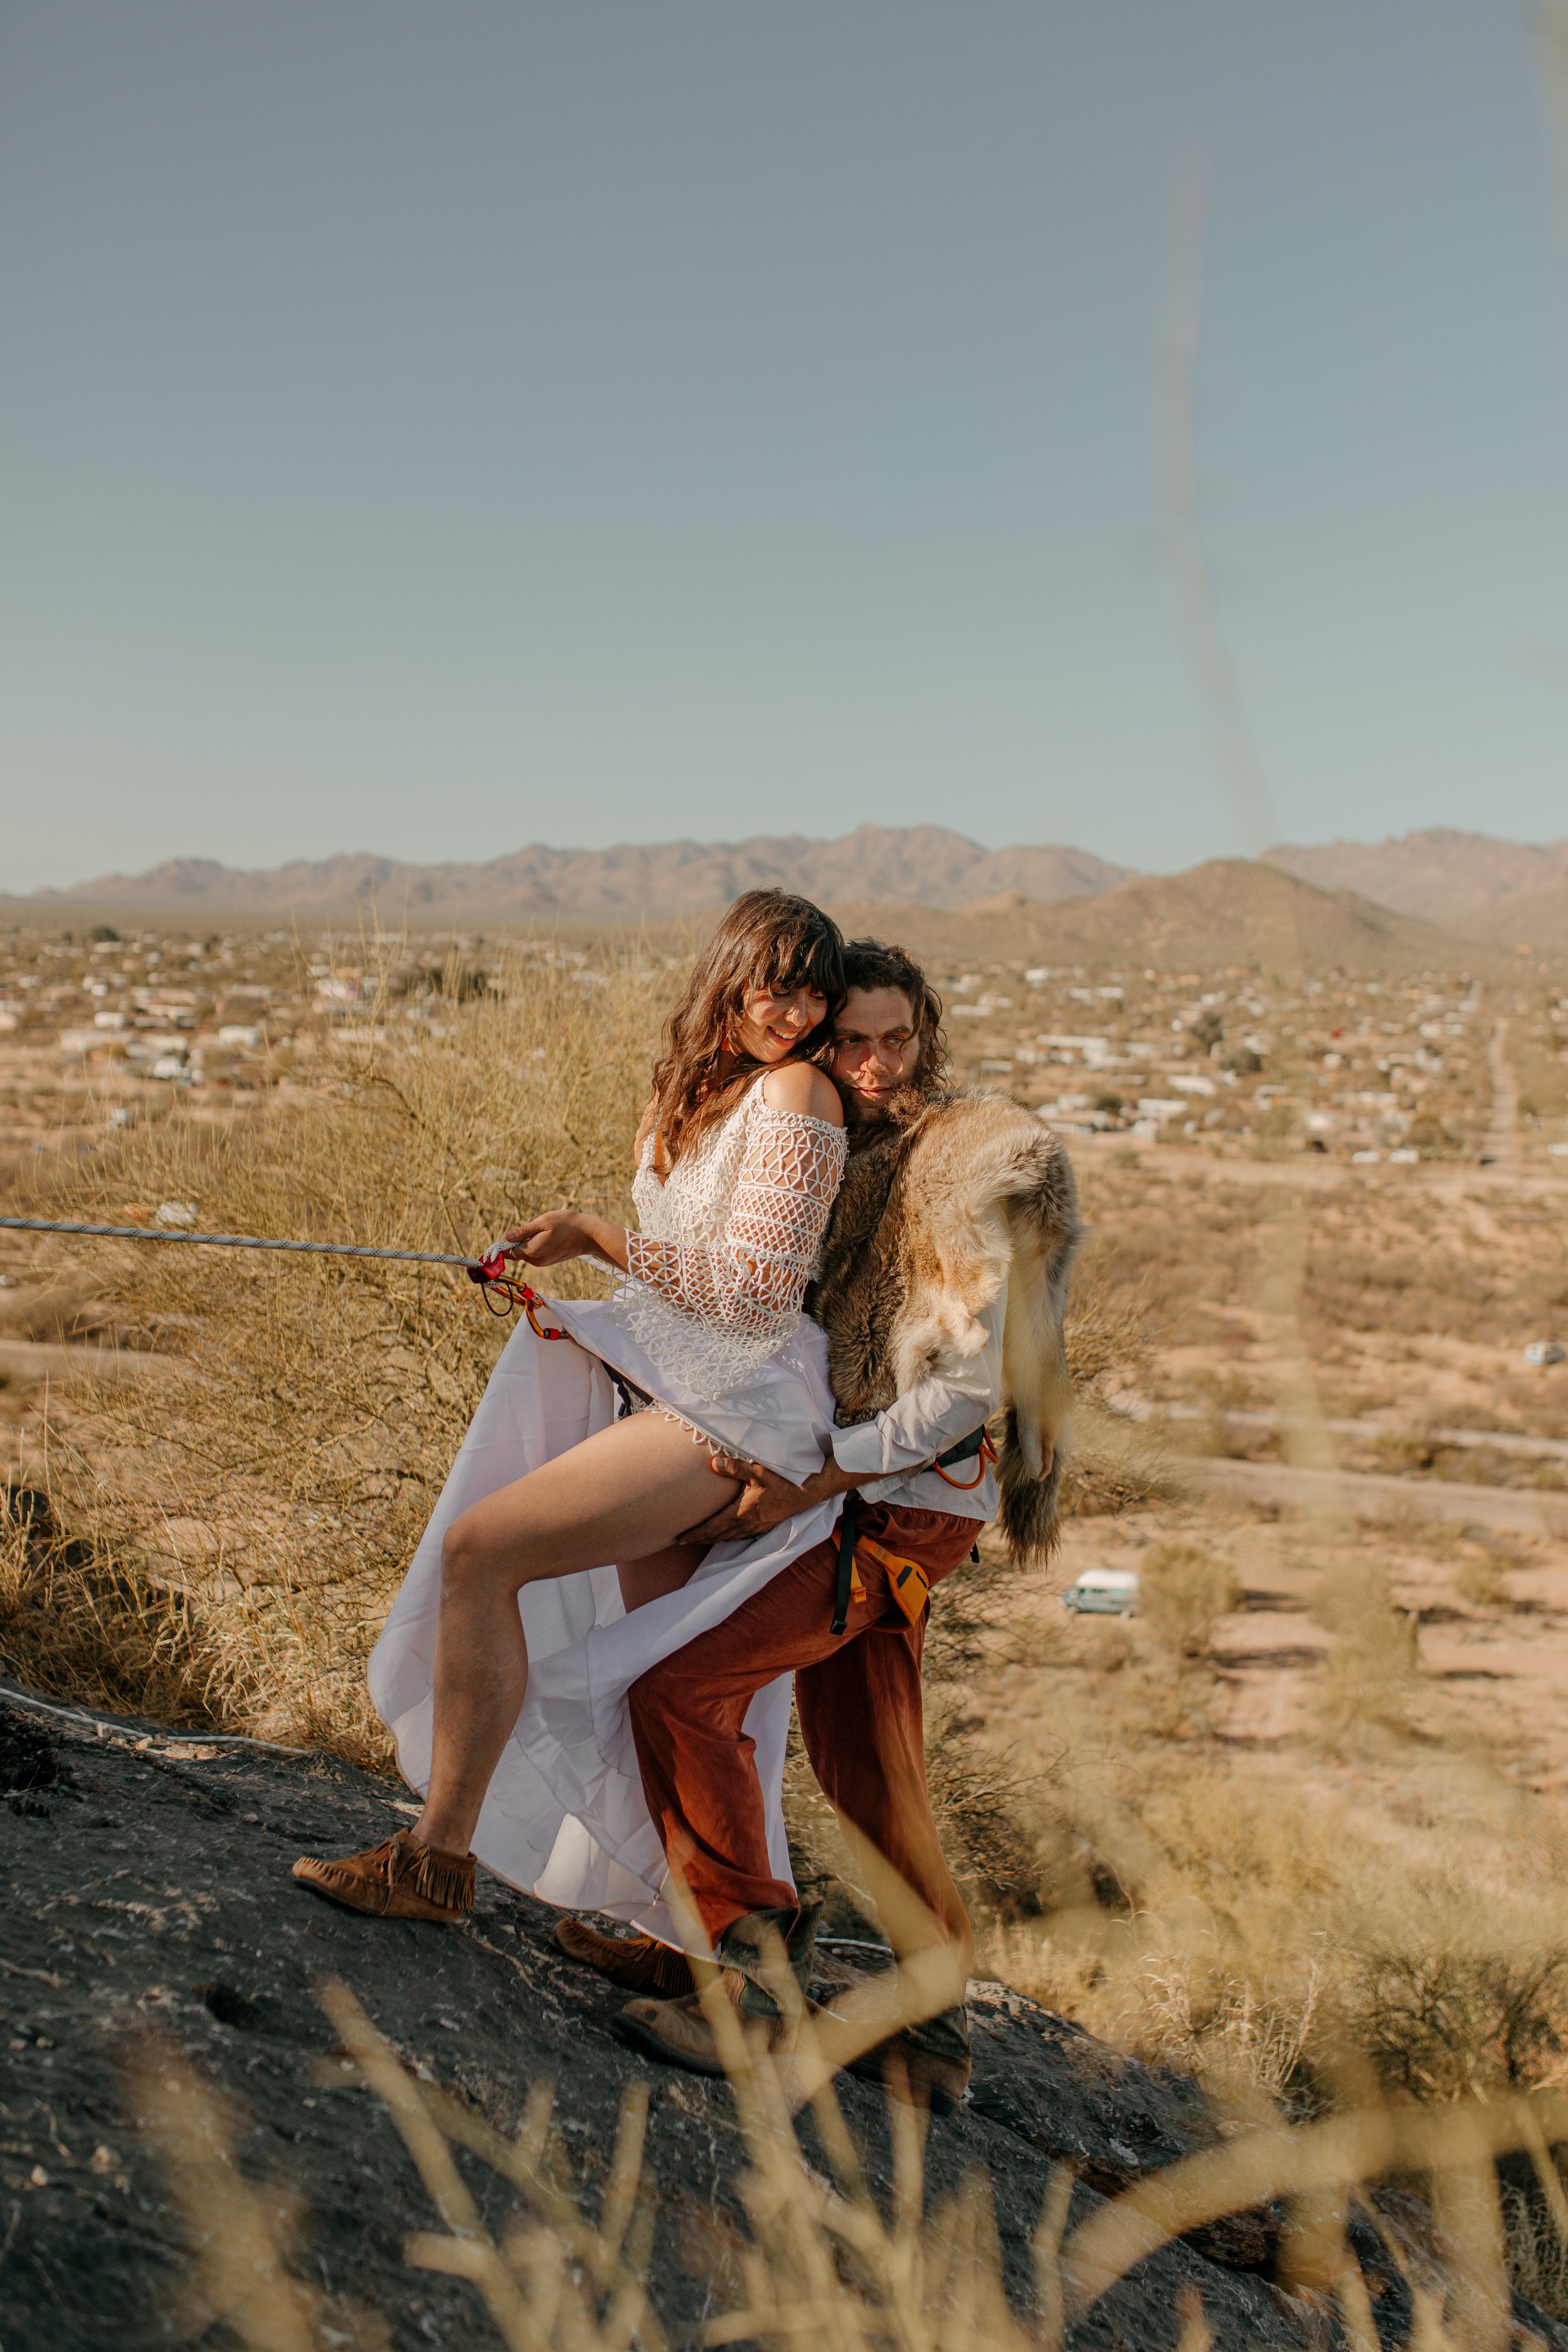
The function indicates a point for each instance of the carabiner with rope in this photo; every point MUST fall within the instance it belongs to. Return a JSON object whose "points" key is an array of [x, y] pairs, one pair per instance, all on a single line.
{"points": [[488, 1272]]}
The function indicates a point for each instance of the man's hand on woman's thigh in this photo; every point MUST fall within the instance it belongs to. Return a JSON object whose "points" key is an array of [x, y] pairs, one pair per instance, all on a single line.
{"points": [[765, 1500]]}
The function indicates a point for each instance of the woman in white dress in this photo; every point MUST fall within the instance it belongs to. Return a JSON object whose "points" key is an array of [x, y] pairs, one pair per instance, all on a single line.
{"points": [[553, 1573]]}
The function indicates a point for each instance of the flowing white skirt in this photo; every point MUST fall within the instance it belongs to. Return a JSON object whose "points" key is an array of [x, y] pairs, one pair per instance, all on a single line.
{"points": [[564, 1817]]}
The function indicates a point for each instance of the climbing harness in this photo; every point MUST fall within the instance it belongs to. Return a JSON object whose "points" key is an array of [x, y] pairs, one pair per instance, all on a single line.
{"points": [[486, 1271], [906, 1580]]}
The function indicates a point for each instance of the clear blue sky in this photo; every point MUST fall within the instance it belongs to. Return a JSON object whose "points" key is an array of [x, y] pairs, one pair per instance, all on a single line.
{"points": [[432, 430]]}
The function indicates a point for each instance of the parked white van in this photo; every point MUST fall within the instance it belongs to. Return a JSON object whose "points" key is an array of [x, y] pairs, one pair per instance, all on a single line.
{"points": [[1104, 1592]]}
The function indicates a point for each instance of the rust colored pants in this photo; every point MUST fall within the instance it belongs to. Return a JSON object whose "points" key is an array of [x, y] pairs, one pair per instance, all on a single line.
{"points": [[858, 1698]]}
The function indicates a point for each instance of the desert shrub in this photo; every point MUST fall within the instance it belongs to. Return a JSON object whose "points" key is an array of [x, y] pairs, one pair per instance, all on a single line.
{"points": [[75, 1622], [1399, 1451], [1002, 1840], [1483, 1583], [1113, 1465], [982, 1801], [1183, 1588], [1371, 1679], [281, 1484], [1456, 2016], [1426, 1134]]}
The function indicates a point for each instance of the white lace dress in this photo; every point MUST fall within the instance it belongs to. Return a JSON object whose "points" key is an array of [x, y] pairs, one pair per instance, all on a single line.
{"points": [[707, 1322]]}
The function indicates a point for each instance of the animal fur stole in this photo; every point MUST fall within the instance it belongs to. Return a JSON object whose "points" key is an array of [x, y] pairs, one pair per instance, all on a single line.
{"points": [[941, 1204]]}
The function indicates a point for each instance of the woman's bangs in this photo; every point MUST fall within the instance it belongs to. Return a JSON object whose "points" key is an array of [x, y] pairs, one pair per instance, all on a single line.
{"points": [[809, 964]]}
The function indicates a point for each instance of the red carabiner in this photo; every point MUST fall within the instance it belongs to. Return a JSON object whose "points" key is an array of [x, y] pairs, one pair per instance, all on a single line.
{"points": [[486, 1272]]}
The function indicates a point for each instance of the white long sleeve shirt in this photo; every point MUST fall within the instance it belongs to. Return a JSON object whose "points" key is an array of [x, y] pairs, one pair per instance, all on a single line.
{"points": [[923, 1423]]}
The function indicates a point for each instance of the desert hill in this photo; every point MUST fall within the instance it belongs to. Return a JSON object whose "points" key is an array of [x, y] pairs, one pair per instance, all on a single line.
{"points": [[882, 865], [1539, 921], [155, 1943], [1445, 875], [1229, 911]]}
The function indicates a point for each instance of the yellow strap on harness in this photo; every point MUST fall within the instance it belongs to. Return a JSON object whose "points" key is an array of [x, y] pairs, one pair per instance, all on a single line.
{"points": [[906, 1580]]}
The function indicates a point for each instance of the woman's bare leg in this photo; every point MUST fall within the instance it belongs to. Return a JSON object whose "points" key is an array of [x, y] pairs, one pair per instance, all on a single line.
{"points": [[661, 1572], [623, 1495]]}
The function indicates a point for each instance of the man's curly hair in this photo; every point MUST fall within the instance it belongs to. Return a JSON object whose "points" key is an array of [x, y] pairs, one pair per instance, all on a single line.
{"points": [[875, 964]]}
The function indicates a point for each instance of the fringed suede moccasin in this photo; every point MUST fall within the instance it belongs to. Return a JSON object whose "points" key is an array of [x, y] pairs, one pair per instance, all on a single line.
{"points": [[640, 1963], [398, 1879]]}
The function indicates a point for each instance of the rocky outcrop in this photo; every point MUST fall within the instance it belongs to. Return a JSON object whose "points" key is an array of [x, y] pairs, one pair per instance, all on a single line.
{"points": [[149, 1908]]}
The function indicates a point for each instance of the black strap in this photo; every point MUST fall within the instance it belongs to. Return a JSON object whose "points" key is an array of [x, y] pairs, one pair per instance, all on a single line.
{"points": [[627, 1390], [848, 1527], [964, 1451]]}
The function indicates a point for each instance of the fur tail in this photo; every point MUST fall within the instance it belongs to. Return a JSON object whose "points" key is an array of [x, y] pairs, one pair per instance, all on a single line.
{"points": [[1026, 1509], [1045, 1230]]}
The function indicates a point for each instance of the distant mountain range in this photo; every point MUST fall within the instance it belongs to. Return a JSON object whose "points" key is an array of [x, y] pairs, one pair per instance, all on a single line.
{"points": [[1502, 892], [921, 863], [1445, 875], [1231, 911]]}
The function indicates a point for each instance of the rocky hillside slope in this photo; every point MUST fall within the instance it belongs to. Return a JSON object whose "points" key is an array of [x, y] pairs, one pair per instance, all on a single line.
{"points": [[150, 1922]]}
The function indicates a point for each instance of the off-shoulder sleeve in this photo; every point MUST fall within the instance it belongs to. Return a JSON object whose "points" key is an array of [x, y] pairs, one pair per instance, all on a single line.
{"points": [[750, 1287]]}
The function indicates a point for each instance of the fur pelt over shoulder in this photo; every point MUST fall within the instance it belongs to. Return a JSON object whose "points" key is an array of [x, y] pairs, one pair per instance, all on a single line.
{"points": [[942, 1204]]}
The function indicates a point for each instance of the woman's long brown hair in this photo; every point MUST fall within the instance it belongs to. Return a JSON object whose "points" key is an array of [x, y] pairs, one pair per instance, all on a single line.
{"points": [[768, 939]]}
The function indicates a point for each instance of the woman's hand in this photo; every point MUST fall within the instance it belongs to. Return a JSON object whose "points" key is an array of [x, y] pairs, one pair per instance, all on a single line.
{"points": [[563, 1234]]}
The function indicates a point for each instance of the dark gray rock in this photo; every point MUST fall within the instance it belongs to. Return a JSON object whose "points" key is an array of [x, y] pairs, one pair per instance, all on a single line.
{"points": [[148, 1899]]}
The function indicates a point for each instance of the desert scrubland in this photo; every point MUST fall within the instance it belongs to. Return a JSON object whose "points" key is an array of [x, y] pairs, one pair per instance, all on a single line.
{"points": [[1299, 1825]]}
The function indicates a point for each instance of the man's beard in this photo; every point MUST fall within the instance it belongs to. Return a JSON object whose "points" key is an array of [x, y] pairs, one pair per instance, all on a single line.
{"points": [[898, 1109]]}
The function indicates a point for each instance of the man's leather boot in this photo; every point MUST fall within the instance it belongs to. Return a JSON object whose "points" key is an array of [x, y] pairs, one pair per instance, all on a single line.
{"points": [[638, 1963], [928, 2063], [768, 2002]]}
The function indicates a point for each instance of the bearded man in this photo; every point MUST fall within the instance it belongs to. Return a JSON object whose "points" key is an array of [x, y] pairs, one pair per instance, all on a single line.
{"points": [[942, 1294]]}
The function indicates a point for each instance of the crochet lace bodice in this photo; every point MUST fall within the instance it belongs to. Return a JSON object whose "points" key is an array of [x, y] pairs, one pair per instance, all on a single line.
{"points": [[728, 1241]]}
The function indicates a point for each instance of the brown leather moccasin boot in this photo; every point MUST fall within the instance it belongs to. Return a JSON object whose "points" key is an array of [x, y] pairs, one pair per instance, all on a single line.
{"points": [[678, 2031], [640, 1963], [767, 2008], [398, 1879], [927, 2064]]}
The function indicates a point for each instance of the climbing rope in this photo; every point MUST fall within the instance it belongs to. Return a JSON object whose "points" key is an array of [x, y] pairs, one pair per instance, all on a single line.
{"points": [[486, 1271]]}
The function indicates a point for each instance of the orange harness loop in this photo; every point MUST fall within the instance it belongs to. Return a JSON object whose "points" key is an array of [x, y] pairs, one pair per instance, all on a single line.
{"points": [[983, 1461]]}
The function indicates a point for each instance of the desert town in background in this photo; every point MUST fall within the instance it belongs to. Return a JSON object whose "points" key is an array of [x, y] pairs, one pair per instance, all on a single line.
{"points": [[1316, 1105]]}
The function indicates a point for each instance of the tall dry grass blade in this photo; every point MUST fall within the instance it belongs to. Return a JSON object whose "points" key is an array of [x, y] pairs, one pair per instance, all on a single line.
{"points": [[533, 2131], [626, 2167], [1546, 2173], [1046, 2246], [1196, 2335], [1313, 2248], [1355, 2309], [1465, 2201], [468, 2252], [1457, 2146], [523, 2162], [237, 2226]]}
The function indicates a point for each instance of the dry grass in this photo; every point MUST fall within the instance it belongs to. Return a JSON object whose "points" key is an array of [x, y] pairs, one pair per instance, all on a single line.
{"points": [[829, 2257], [236, 1535], [1184, 1588], [281, 1484], [1372, 1682]]}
